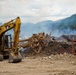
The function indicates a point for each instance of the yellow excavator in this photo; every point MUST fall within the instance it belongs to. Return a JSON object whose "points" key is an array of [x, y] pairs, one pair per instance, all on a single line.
{"points": [[7, 47]]}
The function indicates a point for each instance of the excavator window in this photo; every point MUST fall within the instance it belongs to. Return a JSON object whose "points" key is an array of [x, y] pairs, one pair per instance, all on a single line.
{"points": [[7, 41]]}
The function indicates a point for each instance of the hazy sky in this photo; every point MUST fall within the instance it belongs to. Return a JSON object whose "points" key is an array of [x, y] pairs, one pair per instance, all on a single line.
{"points": [[36, 10]]}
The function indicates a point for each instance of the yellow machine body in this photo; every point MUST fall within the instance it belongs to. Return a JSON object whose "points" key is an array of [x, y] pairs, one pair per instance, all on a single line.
{"points": [[7, 47]]}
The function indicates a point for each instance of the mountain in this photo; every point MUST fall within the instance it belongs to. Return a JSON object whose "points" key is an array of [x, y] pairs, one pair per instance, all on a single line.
{"points": [[28, 29], [59, 27], [67, 25], [69, 22]]}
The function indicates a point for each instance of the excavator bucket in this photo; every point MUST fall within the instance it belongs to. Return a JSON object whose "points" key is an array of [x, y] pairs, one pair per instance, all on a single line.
{"points": [[15, 58]]}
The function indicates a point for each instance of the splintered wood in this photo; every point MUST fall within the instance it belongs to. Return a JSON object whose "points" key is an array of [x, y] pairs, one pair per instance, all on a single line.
{"points": [[44, 44]]}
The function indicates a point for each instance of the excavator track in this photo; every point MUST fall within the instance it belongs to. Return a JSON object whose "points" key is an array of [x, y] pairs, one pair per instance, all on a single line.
{"points": [[15, 58], [1, 57]]}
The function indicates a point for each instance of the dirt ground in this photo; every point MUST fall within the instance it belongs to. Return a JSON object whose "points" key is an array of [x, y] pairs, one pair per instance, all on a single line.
{"points": [[60, 64]]}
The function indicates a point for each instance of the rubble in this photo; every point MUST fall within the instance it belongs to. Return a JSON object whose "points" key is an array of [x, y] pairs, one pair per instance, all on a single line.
{"points": [[41, 44], [36, 42]]}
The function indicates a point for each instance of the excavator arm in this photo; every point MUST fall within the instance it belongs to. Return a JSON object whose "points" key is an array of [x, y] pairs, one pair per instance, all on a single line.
{"points": [[16, 32]]}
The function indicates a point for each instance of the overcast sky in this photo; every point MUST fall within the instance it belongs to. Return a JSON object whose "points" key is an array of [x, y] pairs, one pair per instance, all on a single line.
{"points": [[36, 10]]}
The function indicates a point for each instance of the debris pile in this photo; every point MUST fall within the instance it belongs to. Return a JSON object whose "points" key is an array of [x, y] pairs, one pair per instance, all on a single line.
{"points": [[37, 42], [41, 44]]}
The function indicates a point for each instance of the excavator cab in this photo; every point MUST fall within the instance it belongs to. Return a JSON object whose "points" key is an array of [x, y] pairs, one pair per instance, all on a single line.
{"points": [[6, 45], [7, 40]]}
